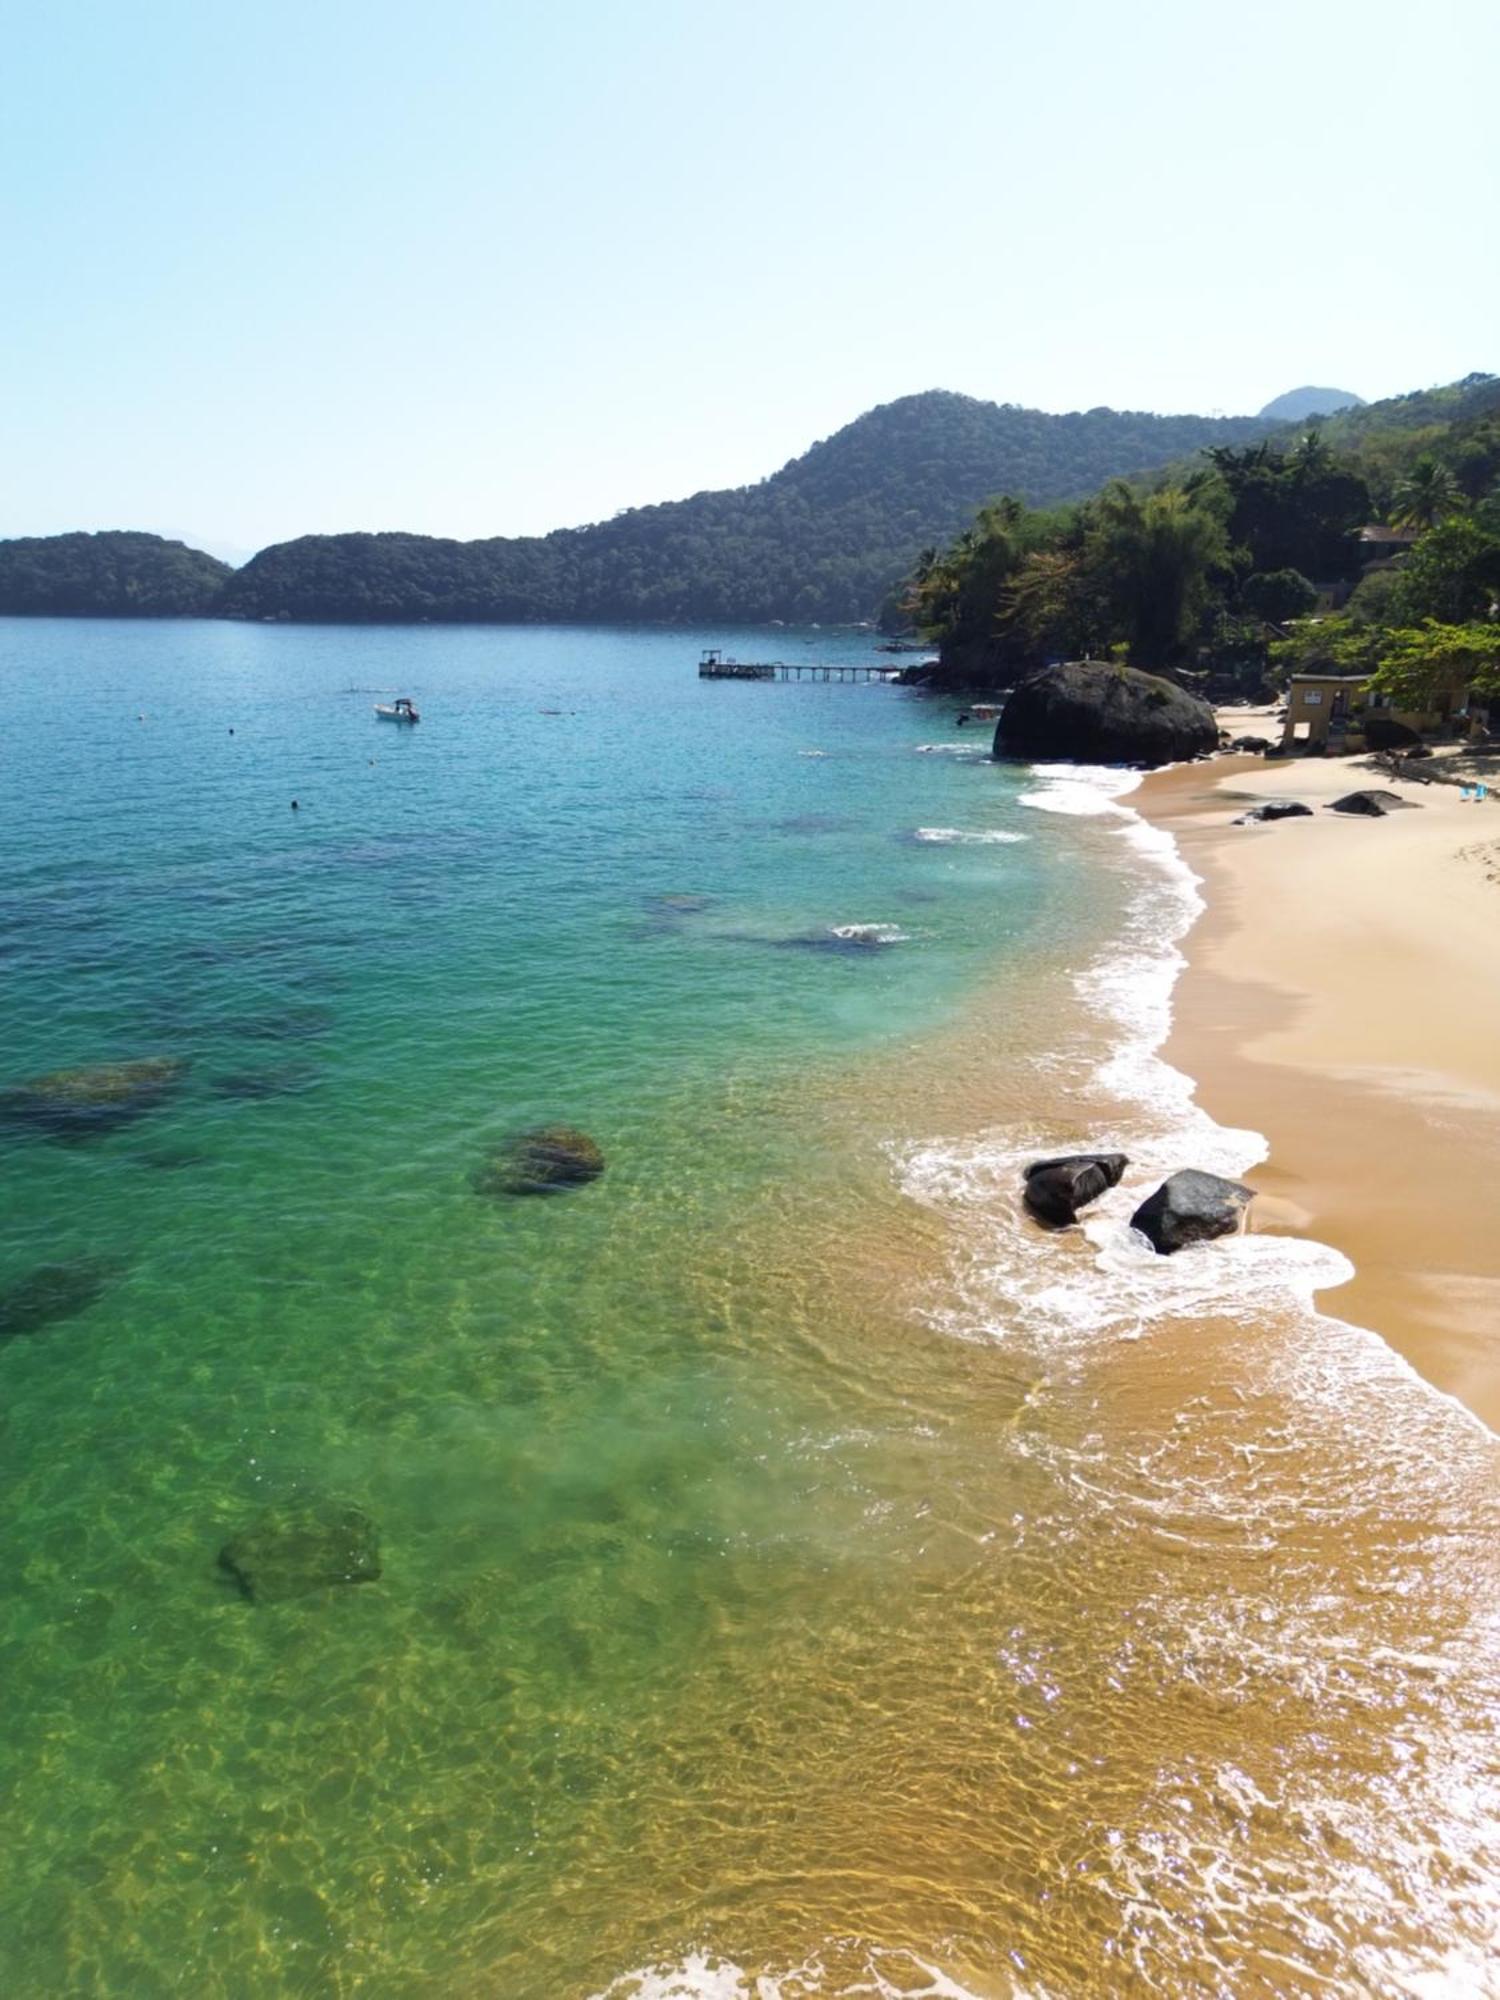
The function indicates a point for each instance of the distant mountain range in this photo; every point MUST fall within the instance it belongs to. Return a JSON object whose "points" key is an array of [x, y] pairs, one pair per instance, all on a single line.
{"points": [[827, 538]]}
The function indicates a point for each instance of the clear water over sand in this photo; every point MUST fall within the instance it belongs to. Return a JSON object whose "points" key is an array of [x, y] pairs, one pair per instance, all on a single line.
{"points": [[796, 1569]]}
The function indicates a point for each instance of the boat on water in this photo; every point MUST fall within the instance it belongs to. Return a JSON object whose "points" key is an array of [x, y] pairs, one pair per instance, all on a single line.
{"points": [[399, 710]]}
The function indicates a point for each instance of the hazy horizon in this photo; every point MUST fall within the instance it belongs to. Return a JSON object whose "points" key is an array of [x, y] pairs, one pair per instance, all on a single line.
{"points": [[481, 272]]}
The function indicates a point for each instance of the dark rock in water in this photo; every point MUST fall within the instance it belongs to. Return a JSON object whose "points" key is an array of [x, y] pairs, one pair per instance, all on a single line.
{"points": [[680, 904], [1383, 732], [1191, 1207], [101, 1097], [172, 1159], [1275, 809], [1254, 745], [281, 1080], [290, 1024], [1089, 713], [547, 1160], [843, 938], [1057, 1189], [53, 1292], [1374, 805], [302, 1547]]}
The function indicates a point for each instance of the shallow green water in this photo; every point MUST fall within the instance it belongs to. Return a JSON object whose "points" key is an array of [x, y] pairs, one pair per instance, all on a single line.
{"points": [[790, 1561]]}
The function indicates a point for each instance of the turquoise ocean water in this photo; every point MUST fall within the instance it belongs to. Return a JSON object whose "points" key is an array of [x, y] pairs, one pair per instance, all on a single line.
{"points": [[732, 1564]]}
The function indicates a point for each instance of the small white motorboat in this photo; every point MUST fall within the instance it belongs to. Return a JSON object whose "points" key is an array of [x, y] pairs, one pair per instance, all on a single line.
{"points": [[399, 710]]}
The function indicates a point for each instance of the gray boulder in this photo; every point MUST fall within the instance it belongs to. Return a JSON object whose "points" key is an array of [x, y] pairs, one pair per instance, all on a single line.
{"points": [[1089, 713], [1057, 1189], [1375, 804], [305, 1546], [1275, 809], [1191, 1207]]}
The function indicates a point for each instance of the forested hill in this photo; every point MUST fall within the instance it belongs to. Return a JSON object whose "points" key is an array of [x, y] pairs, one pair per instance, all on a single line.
{"points": [[113, 575], [826, 538]]}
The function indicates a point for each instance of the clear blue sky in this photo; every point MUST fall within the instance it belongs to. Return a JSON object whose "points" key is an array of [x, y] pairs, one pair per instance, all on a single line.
{"points": [[476, 269]]}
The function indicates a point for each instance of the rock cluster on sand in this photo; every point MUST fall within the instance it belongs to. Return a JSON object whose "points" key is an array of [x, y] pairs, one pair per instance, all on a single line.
{"points": [[100, 1097], [1373, 805], [546, 1160], [293, 1550], [1057, 1189], [1087, 712], [1275, 809], [1191, 1207]]}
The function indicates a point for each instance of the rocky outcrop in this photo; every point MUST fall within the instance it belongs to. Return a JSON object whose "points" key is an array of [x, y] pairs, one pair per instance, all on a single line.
{"points": [[1057, 1189], [1090, 713], [100, 1097], [52, 1292], [1191, 1207], [293, 1550], [549, 1159], [1275, 809], [1383, 732], [1374, 805]]}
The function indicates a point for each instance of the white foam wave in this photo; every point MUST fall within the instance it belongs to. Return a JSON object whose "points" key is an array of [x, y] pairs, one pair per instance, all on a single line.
{"points": [[1080, 790], [701, 1975], [870, 933], [968, 750], [957, 836]]}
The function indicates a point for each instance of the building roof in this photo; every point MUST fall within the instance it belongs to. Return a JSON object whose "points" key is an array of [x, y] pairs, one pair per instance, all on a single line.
{"points": [[1376, 532]]}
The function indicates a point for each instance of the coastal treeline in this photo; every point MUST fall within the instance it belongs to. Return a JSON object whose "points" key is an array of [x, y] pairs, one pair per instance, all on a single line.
{"points": [[828, 538], [1369, 544], [109, 575]]}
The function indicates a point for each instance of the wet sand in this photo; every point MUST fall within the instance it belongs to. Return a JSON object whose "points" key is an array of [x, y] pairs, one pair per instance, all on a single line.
{"points": [[1342, 996]]}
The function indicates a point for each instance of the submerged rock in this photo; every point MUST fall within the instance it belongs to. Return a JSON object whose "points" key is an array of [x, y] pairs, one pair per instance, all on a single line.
{"points": [[1191, 1207], [1275, 809], [1375, 804], [99, 1097], [1087, 712], [53, 1292], [279, 1080], [546, 1160], [1057, 1189], [305, 1546]]}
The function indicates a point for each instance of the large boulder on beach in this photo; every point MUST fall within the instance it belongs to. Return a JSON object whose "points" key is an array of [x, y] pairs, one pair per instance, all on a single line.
{"points": [[549, 1159], [1087, 712], [292, 1550], [1191, 1207], [1373, 804], [1057, 1189], [96, 1098]]}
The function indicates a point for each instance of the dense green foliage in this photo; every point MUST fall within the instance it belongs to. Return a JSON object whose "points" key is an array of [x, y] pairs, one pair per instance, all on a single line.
{"points": [[117, 575], [827, 538], [1202, 569]]}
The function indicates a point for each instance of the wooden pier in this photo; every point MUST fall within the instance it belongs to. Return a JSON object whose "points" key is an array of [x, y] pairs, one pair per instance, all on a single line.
{"points": [[714, 667]]}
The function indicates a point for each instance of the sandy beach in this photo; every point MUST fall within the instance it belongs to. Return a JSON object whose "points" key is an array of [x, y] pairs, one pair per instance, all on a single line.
{"points": [[1342, 996]]}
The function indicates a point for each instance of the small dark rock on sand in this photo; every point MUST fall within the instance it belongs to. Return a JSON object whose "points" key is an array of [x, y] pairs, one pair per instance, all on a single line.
{"points": [[1374, 805], [100, 1097], [1057, 1189], [1191, 1207], [549, 1159], [1275, 809], [53, 1292], [302, 1547]]}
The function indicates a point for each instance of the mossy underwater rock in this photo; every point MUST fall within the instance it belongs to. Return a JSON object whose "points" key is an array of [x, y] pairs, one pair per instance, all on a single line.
{"points": [[549, 1159], [53, 1292], [1092, 712], [98, 1097], [304, 1546]]}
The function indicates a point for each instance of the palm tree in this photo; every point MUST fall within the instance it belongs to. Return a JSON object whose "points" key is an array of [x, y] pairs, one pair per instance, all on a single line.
{"points": [[1154, 557], [1427, 494]]}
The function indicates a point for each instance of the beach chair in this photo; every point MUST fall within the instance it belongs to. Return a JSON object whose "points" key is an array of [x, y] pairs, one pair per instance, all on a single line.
{"points": [[1464, 793], [1481, 793]]}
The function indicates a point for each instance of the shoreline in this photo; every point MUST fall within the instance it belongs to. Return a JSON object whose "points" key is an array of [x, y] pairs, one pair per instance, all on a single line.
{"points": [[1339, 995]]}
